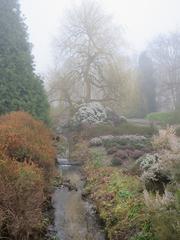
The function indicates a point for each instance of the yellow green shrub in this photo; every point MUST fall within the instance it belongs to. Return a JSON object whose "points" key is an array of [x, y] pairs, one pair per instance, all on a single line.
{"points": [[119, 201]]}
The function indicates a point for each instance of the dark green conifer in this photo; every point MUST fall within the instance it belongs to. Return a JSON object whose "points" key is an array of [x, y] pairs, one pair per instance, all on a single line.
{"points": [[20, 87]]}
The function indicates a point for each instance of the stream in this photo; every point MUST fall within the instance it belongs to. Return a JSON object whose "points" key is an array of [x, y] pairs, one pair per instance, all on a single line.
{"points": [[74, 218]]}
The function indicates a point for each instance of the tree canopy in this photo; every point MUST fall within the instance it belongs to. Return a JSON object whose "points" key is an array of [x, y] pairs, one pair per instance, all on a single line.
{"points": [[92, 63]]}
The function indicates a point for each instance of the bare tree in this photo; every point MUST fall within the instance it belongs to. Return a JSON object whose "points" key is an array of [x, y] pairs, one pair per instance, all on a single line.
{"points": [[165, 53], [88, 43]]}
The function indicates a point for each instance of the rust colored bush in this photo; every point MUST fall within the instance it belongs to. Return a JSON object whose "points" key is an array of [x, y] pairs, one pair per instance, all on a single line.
{"points": [[25, 139], [26, 168], [21, 199]]}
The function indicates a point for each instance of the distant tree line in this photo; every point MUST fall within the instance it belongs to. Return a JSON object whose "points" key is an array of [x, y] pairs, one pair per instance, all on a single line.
{"points": [[92, 64], [20, 88], [159, 69]]}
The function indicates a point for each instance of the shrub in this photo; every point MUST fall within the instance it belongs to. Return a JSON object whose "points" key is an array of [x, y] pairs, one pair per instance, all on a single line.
{"points": [[147, 161], [124, 156], [98, 157], [80, 152], [160, 174], [25, 139], [122, 129], [26, 168], [165, 215], [61, 144], [165, 140], [94, 113], [119, 202], [21, 199], [97, 141], [126, 141]]}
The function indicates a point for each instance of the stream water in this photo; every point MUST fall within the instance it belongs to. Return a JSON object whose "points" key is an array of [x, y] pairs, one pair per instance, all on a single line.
{"points": [[74, 217]]}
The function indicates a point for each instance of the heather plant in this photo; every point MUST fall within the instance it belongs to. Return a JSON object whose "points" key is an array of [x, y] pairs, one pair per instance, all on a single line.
{"points": [[26, 170], [97, 157], [147, 161], [103, 129], [160, 175], [27, 140], [165, 140], [21, 199], [80, 152], [119, 202], [164, 212]]}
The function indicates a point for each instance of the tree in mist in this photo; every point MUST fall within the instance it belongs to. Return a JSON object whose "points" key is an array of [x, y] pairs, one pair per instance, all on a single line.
{"points": [[165, 54], [20, 88], [147, 83], [89, 54]]}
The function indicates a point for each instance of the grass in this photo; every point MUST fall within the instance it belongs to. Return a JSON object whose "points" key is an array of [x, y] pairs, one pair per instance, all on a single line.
{"points": [[165, 117]]}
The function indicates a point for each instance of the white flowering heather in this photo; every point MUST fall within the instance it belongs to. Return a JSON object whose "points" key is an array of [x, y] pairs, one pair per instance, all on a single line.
{"points": [[107, 137], [132, 138], [91, 113], [97, 141], [148, 161]]}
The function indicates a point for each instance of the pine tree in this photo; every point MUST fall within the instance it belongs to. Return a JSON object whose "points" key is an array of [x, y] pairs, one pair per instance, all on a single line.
{"points": [[20, 88]]}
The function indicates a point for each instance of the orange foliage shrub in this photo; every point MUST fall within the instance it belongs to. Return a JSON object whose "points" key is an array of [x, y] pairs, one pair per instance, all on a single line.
{"points": [[25, 139], [26, 167], [21, 199]]}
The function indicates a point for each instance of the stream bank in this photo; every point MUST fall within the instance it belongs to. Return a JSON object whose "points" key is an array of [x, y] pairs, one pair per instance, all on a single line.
{"points": [[74, 218]]}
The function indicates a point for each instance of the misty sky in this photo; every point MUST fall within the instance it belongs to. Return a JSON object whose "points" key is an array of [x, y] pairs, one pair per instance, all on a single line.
{"points": [[141, 19]]}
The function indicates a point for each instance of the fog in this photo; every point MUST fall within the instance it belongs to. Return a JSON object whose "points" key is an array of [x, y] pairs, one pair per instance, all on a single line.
{"points": [[141, 20]]}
